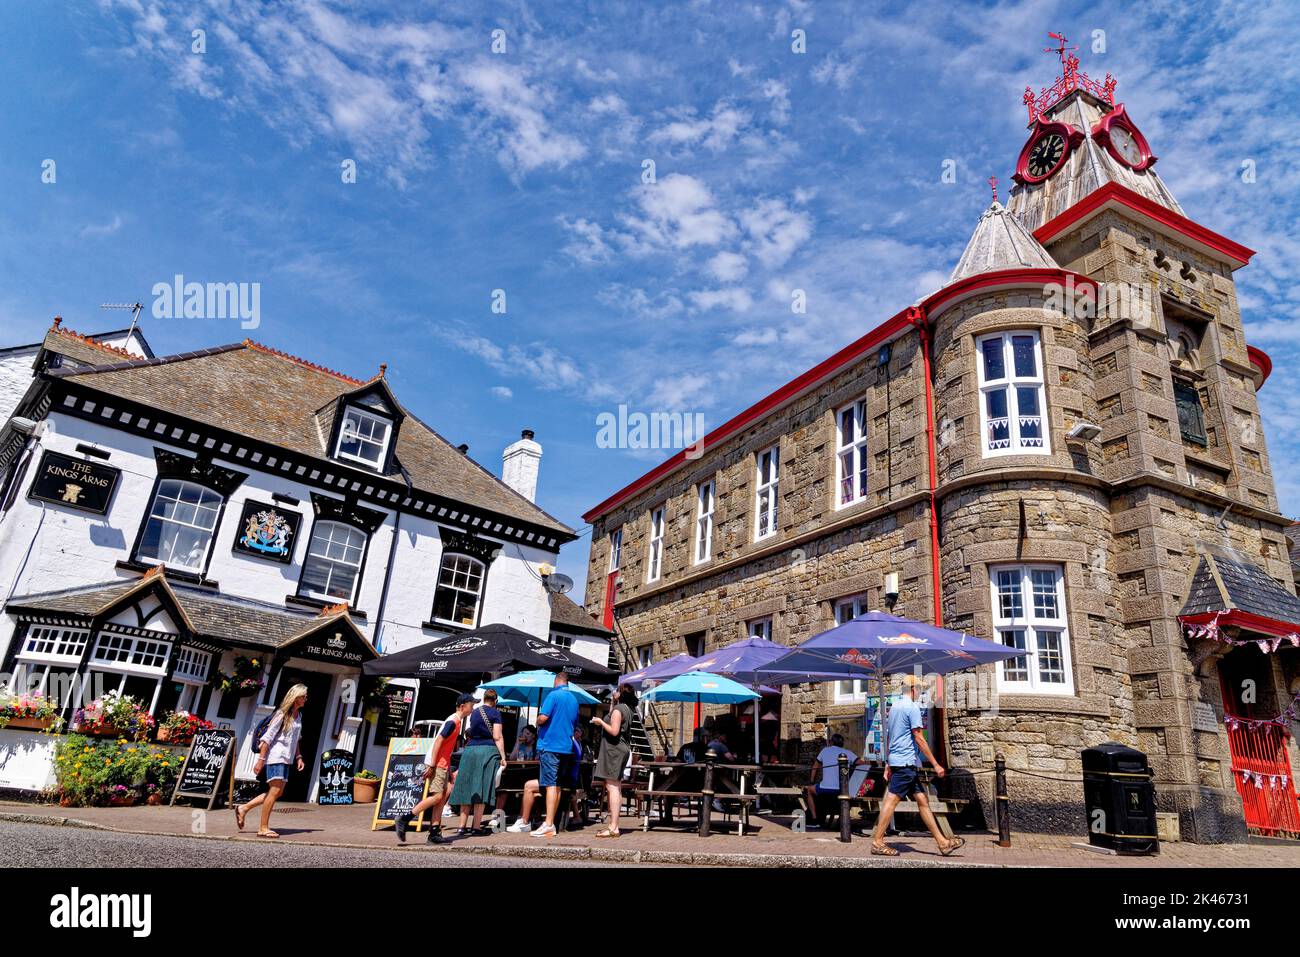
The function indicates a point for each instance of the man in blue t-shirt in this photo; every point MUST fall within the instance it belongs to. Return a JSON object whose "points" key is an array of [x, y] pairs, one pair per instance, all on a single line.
{"points": [[555, 723], [906, 746]]}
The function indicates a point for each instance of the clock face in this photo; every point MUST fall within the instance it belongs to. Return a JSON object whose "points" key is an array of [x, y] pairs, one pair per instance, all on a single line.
{"points": [[1046, 155], [1126, 146]]}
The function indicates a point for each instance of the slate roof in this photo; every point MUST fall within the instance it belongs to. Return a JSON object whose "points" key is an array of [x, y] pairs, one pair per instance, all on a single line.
{"points": [[1226, 579], [1000, 241], [565, 613], [84, 350], [228, 620], [274, 397]]}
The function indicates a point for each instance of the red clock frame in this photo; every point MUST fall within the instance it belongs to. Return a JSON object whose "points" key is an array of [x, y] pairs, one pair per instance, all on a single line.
{"points": [[1072, 137], [1119, 117]]}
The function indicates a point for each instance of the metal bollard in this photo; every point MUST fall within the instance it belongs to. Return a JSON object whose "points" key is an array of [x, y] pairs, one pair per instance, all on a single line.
{"points": [[706, 801], [846, 826], [1001, 802]]}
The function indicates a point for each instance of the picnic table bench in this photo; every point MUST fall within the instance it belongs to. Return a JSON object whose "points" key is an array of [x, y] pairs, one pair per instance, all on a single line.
{"points": [[727, 788]]}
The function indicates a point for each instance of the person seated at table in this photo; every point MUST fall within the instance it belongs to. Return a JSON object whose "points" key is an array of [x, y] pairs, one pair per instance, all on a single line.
{"points": [[693, 750], [718, 745], [526, 745], [826, 774]]}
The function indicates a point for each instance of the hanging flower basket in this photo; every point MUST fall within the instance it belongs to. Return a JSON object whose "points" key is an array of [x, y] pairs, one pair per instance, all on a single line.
{"points": [[245, 680]]}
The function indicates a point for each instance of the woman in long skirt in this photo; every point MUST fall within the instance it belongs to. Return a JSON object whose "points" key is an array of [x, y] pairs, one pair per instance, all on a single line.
{"points": [[485, 752]]}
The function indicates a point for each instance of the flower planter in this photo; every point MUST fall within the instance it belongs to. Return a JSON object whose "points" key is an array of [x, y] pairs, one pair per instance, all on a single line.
{"points": [[127, 801], [180, 740], [154, 800], [365, 791], [32, 724]]}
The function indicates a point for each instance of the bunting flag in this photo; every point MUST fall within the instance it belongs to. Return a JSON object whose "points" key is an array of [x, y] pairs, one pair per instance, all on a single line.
{"points": [[1211, 630], [1258, 779], [1283, 720]]}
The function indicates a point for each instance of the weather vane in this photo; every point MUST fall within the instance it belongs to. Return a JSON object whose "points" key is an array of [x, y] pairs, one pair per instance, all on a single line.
{"points": [[1060, 48], [993, 182]]}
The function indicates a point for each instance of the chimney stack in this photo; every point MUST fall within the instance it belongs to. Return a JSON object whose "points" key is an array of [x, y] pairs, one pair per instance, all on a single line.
{"points": [[519, 465]]}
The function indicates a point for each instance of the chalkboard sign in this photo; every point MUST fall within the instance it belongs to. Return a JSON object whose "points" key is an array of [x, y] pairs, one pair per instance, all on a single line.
{"points": [[335, 778], [394, 716], [205, 765], [402, 785]]}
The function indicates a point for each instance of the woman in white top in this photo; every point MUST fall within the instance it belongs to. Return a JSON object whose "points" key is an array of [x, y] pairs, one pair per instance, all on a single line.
{"points": [[279, 748]]}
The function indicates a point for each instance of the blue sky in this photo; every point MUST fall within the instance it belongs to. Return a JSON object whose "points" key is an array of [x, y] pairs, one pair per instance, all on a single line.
{"points": [[522, 171]]}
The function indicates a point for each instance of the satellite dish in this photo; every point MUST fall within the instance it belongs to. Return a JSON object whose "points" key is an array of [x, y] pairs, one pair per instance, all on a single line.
{"points": [[558, 584]]}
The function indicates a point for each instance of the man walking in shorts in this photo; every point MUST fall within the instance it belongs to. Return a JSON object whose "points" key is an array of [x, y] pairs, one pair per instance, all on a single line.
{"points": [[906, 745], [438, 773]]}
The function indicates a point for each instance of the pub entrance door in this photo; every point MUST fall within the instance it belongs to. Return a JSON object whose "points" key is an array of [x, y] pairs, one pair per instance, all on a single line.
{"points": [[313, 719], [1261, 767]]}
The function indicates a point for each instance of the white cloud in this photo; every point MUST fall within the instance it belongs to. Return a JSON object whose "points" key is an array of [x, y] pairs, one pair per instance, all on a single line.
{"points": [[775, 230], [502, 392], [715, 132], [728, 267], [96, 231], [679, 211], [733, 298]]}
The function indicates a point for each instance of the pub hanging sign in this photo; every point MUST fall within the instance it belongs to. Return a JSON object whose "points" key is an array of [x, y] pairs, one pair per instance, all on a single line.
{"points": [[266, 531], [74, 483]]}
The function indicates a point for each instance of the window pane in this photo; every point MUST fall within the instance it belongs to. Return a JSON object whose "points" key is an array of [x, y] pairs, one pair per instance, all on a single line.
{"points": [[1051, 663], [1010, 601], [1022, 350], [1015, 669], [1044, 594], [1030, 419], [999, 425], [994, 363], [846, 427]]}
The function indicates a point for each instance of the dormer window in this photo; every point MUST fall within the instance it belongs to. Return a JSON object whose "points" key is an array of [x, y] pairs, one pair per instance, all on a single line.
{"points": [[363, 437]]}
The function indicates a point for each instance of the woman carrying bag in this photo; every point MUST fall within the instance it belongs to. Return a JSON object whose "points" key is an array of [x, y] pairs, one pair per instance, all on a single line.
{"points": [[483, 755], [615, 749], [278, 749]]}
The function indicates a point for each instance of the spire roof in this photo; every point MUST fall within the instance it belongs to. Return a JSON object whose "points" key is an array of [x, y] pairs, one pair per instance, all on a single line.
{"points": [[1000, 241]]}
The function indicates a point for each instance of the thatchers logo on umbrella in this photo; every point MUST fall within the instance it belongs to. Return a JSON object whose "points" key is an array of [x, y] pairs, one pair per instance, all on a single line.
{"points": [[903, 639], [459, 647]]}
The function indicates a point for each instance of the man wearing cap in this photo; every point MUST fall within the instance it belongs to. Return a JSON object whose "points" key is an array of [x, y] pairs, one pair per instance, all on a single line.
{"points": [[906, 745], [438, 771]]}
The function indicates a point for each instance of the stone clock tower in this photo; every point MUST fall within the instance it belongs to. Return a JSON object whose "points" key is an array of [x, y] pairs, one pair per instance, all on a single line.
{"points": [[1177, 481]]}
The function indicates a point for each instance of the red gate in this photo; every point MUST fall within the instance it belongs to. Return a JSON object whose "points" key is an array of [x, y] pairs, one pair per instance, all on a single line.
{"points": [[1267, 792]]}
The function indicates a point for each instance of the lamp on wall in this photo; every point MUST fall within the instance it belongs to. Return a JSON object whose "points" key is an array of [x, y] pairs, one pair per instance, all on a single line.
{"points": [[891, 591]]}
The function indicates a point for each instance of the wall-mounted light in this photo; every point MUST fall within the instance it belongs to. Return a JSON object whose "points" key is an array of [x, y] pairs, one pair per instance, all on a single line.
{"points": [[891, 590], [1084, 432]]}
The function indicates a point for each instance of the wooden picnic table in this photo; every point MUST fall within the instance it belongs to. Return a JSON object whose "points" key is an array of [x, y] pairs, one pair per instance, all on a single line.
{"points": [[676, 779]]}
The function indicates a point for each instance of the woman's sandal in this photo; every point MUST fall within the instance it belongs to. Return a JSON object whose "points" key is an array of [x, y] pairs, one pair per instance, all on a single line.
{"points": [[270, 834], [608, 832], [240, 816], [954, 845], [883, 850]]}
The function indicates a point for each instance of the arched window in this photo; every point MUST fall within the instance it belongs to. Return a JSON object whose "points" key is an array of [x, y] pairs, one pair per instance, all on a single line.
{"points": [[333, 565], [178, 531], [460, 587]]}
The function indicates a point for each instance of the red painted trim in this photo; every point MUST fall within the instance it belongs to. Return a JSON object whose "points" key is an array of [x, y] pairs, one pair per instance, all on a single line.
{"points": [[1122, 195], [919, 319], [887, 330], [1260, 360], [1119, 117], [1244, 619], [1066, 131], [611, 589]]}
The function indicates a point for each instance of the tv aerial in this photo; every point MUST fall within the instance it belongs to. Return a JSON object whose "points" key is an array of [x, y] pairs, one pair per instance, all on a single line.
{"points": [[135, 308]]}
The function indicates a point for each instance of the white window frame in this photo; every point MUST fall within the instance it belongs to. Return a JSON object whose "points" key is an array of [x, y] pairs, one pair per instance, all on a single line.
{"points": [[561, 640], [767, 497], [204, 507], [615, 548], [855, 450], [655, 555], [759, 628], [459, 558], [68, 646], [853, 690], [304, 588], [1032, 623], [644, 656], [1011, 384], [192, 666], [132, 646], [366, 421], [706, 502]]}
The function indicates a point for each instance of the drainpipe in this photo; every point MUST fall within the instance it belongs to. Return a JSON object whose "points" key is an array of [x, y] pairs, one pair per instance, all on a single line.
{"points": [[917, 316]]}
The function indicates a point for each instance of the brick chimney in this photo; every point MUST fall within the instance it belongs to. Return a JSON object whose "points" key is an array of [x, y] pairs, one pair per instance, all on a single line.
{"points": [[519, 464]]}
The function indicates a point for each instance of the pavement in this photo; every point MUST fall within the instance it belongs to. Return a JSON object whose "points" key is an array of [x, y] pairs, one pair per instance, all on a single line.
{"points": [[770, 843]]}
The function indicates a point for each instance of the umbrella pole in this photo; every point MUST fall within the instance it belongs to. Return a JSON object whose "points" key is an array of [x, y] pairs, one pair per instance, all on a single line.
{"points": [[758, 702], [884, 725]]}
